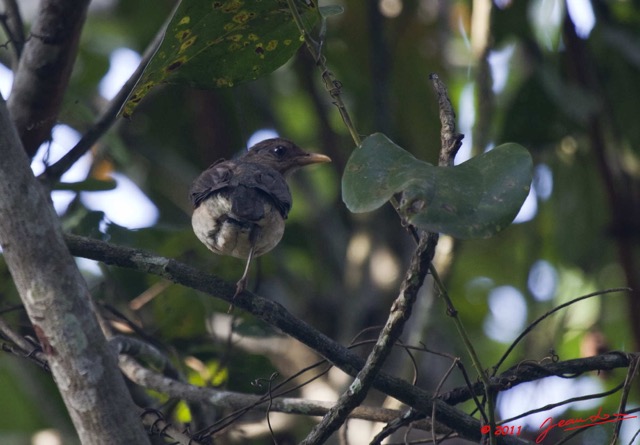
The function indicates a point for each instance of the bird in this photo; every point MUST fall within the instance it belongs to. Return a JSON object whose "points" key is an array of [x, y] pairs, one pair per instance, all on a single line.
{"points": [[240, 205]]}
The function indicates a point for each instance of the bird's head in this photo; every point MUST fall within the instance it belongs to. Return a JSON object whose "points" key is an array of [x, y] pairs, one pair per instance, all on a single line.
{"points": [[282, 155]]}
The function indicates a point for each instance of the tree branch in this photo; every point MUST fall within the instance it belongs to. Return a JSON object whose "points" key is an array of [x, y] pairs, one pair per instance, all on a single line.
{"points": [[157, 425], [44, 70], [235, 401], [14, 27], [25, 347], [106, 119], [450, 139], [276, 315], [57, 301], [400, 313], [167, 384], [529, 371]]}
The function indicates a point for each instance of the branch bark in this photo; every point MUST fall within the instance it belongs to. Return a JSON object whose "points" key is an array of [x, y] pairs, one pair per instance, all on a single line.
{"points": [[276, 315], [235, 401], [44, 70], [57, 301]]}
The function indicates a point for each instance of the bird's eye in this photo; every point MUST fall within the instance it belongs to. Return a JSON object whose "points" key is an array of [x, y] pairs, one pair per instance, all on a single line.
{"points": [[279, 151]]}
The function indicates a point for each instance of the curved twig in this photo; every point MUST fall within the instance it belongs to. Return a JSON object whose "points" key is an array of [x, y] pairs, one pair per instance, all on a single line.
{"points": [[106, 119], [545, 315]]}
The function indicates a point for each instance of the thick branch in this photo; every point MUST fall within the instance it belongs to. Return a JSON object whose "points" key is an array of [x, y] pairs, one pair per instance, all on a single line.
{"points": [[276, 315], [57, 301], [44, 70], [235, 401], [530, 371]]}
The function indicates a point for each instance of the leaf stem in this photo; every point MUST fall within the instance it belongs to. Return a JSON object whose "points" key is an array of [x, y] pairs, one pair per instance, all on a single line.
{"points": [[475, 359], [331, 84]]}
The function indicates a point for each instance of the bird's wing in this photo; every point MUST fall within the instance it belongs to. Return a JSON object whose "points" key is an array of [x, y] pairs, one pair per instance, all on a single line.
{"points": [[246, 182], [217, 177], [247, 203], [270, 183]]}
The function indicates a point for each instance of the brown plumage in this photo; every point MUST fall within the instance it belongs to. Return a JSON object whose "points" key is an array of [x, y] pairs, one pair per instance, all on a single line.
{"points": [[240, 205]]}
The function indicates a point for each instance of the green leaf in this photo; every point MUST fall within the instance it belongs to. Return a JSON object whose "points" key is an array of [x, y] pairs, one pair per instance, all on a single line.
{"points": [[222, 43], [475, 199]]}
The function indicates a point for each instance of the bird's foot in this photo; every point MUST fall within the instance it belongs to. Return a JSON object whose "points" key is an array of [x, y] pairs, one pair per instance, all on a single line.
{"points": [[241, 285]]}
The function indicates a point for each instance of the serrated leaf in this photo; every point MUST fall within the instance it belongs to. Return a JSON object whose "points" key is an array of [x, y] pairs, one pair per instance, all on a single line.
{"points": [[222, 43], [475, 199]]}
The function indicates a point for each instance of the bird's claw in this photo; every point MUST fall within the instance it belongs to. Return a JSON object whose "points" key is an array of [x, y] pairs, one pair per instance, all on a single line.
{"points": [[241, 285]]}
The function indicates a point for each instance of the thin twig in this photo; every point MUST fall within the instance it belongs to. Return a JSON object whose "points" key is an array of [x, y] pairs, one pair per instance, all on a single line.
{"points": [[400, 313], [230, 418], [23, 347], [450, 144], [14, 27], [412, 415], [550, 406], [153, 380], [269, 395], [158, 425], [331, 84], [437, 392], [632, 372], [106, 119], [548, 313]]}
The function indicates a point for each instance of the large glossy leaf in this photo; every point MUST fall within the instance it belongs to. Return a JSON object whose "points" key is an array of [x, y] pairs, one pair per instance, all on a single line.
{"points": [[475, 199], [212, 44]]}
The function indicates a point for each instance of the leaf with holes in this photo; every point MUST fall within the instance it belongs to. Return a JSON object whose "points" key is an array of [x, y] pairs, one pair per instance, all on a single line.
{"points": [[213, 44], [475, 199]]}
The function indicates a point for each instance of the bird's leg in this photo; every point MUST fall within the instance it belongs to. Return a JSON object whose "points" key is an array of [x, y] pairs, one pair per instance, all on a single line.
{"points": [[241, 285], [242, 282]]}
